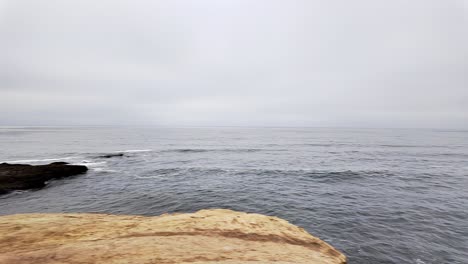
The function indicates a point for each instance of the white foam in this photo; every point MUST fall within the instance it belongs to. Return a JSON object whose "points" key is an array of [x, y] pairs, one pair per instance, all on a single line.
{"points": [[103, 170], [40, 160], [17, 192], [90, 164]]}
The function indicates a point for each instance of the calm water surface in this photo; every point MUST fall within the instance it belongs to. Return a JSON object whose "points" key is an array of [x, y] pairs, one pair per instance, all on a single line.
{"points": [[380, 196]]}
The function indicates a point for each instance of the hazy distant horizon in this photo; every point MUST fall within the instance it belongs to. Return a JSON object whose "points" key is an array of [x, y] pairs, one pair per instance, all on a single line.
{"points": [[461, 129], [365, 63]]}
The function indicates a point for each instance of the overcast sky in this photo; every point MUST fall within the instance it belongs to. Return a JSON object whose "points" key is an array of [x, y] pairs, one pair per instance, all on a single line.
{"points": [[364, 63]]}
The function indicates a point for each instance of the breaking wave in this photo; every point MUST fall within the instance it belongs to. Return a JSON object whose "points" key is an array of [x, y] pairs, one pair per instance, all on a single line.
{"points": [[40, 160]]}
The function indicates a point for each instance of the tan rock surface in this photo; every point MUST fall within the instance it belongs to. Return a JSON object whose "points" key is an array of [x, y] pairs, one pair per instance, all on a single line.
{"points": [[207, 236]]}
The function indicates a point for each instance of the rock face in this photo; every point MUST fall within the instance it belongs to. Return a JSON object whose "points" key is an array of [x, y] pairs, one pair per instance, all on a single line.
{"points": [[208, 236], [22, 176]]}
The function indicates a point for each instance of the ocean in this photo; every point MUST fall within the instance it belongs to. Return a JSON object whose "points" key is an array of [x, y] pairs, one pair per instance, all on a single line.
{"points": [[378, 195]]}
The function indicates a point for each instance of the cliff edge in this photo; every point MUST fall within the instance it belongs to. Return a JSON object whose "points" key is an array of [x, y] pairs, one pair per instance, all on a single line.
{"points": [[207, 236]]}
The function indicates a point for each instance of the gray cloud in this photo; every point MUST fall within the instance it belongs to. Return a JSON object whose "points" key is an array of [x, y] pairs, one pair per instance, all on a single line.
{"points": [[261, 63]]}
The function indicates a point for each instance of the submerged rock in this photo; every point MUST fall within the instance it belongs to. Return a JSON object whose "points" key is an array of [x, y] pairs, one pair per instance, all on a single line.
{"points": [[112, 155], [208, 236], [23, 176]]}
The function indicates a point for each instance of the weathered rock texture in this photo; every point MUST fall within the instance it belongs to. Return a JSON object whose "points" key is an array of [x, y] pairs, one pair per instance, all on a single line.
{"points": [[23, 176], [208, 236]]}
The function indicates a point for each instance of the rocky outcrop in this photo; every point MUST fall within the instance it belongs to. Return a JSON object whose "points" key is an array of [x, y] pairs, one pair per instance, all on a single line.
{"points": [[208, 236], [23, 176]]}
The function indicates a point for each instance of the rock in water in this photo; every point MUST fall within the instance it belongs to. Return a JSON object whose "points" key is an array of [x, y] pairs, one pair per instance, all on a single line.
{"points": [[23, 176], [208, 236], [107, 156]]}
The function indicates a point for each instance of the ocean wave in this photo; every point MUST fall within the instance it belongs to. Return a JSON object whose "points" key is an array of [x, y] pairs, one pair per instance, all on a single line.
{"points": [[194, 150], [40, 160], [319, 174], [410, 146], [307, 173], [103, 170], [133, 151], [319, 144], [90, 163], [13, 193]]}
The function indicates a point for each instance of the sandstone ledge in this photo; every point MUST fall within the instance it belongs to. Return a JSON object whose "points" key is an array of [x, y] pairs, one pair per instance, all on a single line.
{"points": [[207, 236]]}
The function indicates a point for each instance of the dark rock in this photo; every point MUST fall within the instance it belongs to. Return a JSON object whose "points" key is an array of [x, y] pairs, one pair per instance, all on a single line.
{"points": [[111, 155], [24, 176], [59, 163]]}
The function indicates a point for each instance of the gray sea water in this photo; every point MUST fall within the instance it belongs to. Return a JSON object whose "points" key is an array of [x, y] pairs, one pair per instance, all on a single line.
{"points": [[378, 195]]}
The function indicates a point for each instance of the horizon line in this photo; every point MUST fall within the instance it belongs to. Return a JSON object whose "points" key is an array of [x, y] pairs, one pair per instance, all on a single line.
{"points": [[229, 126]]}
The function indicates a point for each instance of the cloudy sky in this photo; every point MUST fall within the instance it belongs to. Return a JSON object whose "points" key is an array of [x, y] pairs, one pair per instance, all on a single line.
{"points": [[364, 63]]}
